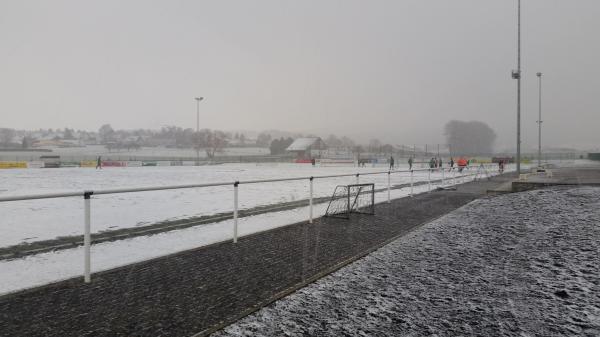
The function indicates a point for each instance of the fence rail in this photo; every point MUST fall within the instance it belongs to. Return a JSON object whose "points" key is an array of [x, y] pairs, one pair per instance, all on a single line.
{"points": [[87, 195]]}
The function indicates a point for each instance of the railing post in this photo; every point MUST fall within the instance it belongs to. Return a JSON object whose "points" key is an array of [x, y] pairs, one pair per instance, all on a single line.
{"points": [[389, 183], [87, 239], [357, 179], [443, 173], [453, 177], [411, 183], [429, 180], [310, 202], [235, 211]]}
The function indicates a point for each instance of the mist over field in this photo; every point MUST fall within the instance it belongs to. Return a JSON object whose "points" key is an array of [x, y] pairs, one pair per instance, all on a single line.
{"points": [[392, 70], [299, 167]]}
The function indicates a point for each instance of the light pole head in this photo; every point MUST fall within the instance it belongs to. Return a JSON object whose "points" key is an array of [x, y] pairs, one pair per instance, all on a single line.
{"points": [[539, 74], [199, 98]]}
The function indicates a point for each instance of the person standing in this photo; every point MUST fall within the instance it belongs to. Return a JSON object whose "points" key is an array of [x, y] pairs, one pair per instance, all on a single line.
{"points": [[391, 162], [410, 162], [99, 163], [451, 163], [462, 164]]}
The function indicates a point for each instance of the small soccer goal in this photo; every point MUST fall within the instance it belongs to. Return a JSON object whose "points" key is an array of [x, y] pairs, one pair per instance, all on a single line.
{"points": [[347, 199]]}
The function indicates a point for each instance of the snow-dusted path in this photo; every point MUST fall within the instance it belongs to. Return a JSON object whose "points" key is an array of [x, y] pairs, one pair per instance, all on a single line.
{"points": [[523, 264]]}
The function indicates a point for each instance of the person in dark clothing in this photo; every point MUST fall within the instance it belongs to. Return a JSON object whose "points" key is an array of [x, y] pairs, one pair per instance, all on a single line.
{"points": [[410, 162], [99, 163], [451, 162], [313, 161], [391, 163]]}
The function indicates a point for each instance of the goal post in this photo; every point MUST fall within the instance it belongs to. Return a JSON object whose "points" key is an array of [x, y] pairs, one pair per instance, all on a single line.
{"points": [[355, 198]]}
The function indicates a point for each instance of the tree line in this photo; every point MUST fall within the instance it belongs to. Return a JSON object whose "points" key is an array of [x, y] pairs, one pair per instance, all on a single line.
{"points": [[462, 138]]}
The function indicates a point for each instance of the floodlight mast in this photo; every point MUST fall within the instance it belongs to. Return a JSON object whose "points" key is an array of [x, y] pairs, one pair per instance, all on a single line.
{"points": [[517, 75], [198, 99], [539, 121]]}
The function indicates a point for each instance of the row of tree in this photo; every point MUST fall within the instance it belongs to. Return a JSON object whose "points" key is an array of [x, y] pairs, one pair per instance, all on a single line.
{"points": [[466, 138]]}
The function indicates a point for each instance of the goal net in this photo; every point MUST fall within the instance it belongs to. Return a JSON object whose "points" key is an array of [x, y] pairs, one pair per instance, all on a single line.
{"points": [[347, 199]]}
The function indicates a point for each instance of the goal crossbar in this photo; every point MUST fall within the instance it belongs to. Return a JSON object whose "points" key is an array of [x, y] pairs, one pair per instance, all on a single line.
{"points": [[355, 198]]}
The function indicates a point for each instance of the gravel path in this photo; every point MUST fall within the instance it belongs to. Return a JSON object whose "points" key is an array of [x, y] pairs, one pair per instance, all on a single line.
{"points": [[523, 264]]}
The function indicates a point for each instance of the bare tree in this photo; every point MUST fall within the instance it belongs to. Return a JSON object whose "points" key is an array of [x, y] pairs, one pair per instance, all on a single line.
{"points": [[6, 136], [334, 142], [68, 134], [470, 138], [213, 142], [357, 149], [374, 146], [348, 143], [26, 142], [388, 149], [263, 139], [106, 133]]}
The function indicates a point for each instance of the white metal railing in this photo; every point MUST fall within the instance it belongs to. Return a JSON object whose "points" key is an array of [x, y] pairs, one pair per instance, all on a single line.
{"points": [[87, 194]]}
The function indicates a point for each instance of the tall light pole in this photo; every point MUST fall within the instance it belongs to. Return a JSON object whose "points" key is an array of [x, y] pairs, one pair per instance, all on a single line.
{"points": [[198, 99], [516, 74], [539, 121]]}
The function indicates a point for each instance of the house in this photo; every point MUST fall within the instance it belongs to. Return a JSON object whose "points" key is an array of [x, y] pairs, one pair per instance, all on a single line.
{"points": [[306, 149]]}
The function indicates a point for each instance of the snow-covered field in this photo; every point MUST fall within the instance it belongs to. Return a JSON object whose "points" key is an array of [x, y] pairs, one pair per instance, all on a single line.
{"points": [[525, 264], [91, 151], [34, 220], [65, 217]]}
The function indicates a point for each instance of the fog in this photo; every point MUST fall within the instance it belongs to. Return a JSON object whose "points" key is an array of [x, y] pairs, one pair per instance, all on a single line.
{"points": [[393, 70]]}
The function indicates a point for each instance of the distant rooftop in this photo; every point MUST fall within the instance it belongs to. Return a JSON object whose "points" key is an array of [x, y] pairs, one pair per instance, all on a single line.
{"points": [[303, 144]]}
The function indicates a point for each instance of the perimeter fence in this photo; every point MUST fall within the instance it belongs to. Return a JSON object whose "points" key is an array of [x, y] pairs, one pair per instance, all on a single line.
{"points": [[450, 176]]}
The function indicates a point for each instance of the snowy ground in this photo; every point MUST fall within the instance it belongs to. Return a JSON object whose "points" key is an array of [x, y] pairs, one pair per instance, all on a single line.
{"points": [[574, 163], [524, 264], [35, 220], [43, 268]]}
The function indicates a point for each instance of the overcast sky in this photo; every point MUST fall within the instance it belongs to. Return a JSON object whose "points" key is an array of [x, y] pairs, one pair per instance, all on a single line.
{"points": [[397, 70]]}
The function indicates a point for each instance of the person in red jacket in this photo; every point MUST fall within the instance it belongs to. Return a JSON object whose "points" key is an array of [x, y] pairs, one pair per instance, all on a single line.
{"points": [[461, 163]]}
